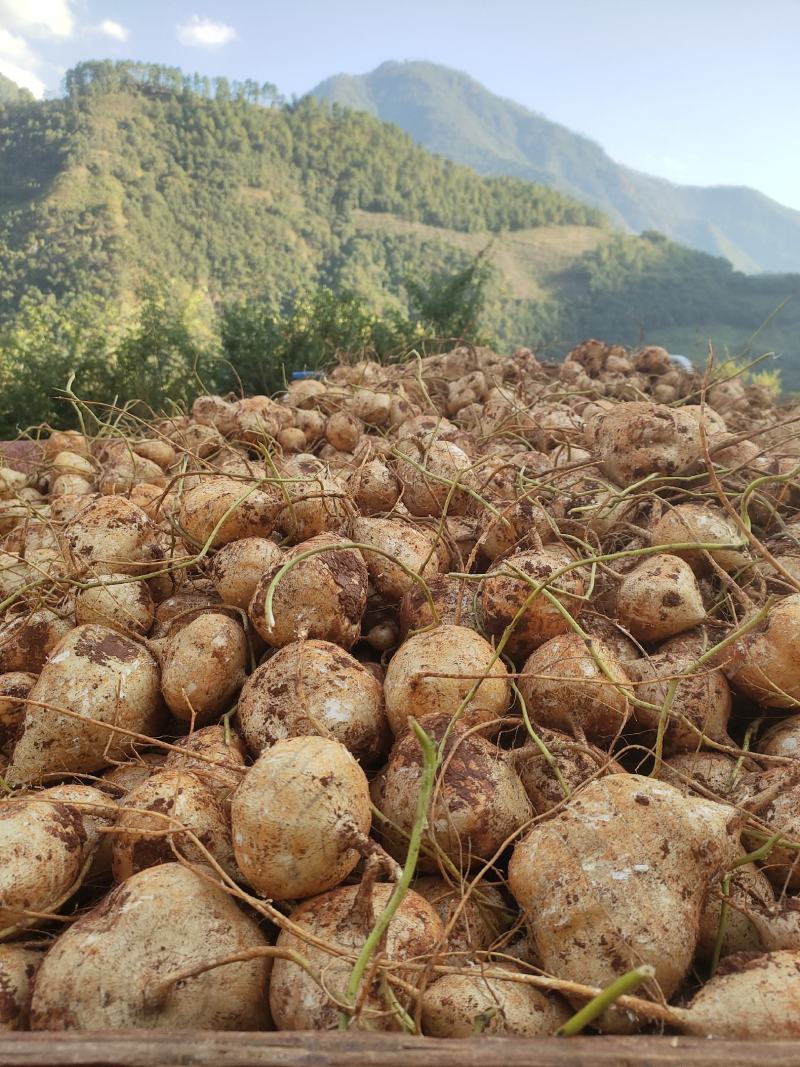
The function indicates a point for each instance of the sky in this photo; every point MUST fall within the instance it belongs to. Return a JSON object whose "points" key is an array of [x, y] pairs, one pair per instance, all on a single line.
{"points": [[702, 92]]}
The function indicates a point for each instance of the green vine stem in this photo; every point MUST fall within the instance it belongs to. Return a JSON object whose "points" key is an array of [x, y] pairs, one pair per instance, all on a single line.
{"points": [[626, 983], [722, 928], [430, 761]]}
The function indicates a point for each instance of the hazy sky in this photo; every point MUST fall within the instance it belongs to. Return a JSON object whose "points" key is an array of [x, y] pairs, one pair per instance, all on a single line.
{"points": [[699, 91]]}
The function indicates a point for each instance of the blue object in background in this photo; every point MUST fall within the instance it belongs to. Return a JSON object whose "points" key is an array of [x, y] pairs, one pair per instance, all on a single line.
{"points": [[683, 362], [296, 374]]}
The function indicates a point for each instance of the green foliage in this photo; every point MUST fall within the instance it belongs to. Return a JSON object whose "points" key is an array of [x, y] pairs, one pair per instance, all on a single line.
{"points": [[450, 113], [263, 346], [10, 92], [165, 357], [453, 306], [172, 348], [158, 358], [140, 172], [159, 231], [46, 345], [650, 289]]}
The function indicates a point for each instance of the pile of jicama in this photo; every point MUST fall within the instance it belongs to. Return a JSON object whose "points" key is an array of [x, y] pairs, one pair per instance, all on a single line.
{"points": [[455, 696]]}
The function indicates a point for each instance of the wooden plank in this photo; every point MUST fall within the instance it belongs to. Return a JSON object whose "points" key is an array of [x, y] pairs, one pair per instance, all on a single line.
{"points": [[161, 1048]]}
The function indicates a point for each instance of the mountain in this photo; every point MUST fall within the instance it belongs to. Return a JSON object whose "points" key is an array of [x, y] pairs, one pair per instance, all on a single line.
{"points": [[141, 175], [450, 113]]}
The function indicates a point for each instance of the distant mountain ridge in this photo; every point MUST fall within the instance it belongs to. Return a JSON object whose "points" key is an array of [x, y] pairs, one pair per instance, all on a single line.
{"points": [[449, 112]]}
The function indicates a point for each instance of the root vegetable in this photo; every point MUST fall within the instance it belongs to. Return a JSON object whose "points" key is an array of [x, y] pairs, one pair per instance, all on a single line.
{"points": [[374, 488], [157, 450], [639, 439], [580, 690], [619, 879], [763, 663], [417, 683], [748, 997], [317, 505], [371, 406], [782, 865], [127, 776], [459, 1005], [225, 510], [659, 598], [343, 431], [314, 688], [182, 607], [69, 485], [28, 638], [225, 774], [214, 411], [98, 675], [177, 798], [453, 598], [117, 602], [397, 542], [68, 462], [299, 812], [339, 918], [97, 811], [203, 668], [322, 596], [305, 393], [14, 687], [713, 771], [518, 526], [510, 589], [113, 536], [236, 569], [782, 739], [574, 763], [700, 707], [748, 888], [108, 970], [311, 424], [18, 966], [257, 419], [480, 802], [482, 918], [128, 470], [15, 574], [431, 476], [696, 522], [44, 855]]}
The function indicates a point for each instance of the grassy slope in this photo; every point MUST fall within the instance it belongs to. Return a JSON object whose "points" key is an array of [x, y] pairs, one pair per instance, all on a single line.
{"points": [[544, 265]]}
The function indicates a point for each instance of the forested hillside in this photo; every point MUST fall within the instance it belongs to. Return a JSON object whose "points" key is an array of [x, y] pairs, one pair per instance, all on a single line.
{"points": [[154, 224], [10, 91], [446, 111], [136, 171]]}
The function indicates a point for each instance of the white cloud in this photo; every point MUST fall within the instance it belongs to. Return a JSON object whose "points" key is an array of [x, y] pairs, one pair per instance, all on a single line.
{"points": [[26, 78], [16, 59], [16, 49], [113, 29], [51, 17], [200, 32]]}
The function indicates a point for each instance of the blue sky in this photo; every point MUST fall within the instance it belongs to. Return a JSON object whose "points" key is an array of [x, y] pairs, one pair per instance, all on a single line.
{"points": [[699, 91]]}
